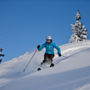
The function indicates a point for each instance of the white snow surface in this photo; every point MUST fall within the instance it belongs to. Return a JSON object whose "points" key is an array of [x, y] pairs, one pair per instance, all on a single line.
{"points": [[71, 71]]}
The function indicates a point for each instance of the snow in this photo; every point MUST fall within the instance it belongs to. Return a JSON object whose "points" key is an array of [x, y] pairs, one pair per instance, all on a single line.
{"points": [[71, 71], [85, 87]]}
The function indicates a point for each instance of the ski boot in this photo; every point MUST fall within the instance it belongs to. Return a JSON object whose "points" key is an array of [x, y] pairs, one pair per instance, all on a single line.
{"points": [[43, 62], [38, 69], [52, 65]]}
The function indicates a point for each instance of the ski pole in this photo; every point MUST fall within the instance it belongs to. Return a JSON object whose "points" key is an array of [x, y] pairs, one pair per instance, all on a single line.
{"points": [[29, 61]]}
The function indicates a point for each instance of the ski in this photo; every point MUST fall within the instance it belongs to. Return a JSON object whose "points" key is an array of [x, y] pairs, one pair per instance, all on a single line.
{"points": [[47, 64], [44, 66]]}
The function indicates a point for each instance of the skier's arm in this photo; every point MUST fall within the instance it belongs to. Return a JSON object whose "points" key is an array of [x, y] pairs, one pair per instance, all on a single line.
{"points": [[41, 47], [58, 49]]}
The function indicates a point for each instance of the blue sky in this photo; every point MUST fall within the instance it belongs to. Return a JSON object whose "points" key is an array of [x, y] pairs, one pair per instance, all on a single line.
{"points": [[25, 23]]}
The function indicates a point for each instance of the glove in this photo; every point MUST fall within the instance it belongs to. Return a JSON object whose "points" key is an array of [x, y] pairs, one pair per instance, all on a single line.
{"points": [[38, 46], [59, 54]]}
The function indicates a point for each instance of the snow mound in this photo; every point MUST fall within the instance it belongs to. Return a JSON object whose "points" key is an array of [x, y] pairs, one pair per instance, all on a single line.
{"points": [[71, 71]]}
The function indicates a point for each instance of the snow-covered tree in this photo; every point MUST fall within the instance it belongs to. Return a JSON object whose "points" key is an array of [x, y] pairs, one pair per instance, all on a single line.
{"points": [[1, 55], [80, 31]]}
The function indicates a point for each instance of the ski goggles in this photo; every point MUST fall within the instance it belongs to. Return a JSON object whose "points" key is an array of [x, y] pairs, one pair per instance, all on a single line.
{"points": [[48, 40]]}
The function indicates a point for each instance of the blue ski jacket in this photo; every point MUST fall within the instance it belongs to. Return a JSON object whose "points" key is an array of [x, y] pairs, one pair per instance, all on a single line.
{"points": [[50, 48]]}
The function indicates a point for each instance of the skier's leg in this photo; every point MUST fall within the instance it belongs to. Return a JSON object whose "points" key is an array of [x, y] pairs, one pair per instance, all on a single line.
{"points": [[45, 58], [51, 56]]}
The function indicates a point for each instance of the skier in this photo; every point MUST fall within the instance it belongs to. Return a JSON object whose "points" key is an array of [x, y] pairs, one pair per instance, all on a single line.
{"points": [[49, 54]]}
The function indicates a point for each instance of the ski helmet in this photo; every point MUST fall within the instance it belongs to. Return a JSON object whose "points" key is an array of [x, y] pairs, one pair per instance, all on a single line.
{"points": [[49, 38]]}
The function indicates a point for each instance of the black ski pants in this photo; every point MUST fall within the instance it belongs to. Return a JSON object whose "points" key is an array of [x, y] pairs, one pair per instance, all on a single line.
{"points": [[49, 56]]}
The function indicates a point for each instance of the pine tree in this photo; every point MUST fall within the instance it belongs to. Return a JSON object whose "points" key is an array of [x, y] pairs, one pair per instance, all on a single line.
{"points": [[80, 31]]}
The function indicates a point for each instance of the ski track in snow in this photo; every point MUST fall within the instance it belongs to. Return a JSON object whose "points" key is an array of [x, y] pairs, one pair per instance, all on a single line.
{"points": [[71, 72]]}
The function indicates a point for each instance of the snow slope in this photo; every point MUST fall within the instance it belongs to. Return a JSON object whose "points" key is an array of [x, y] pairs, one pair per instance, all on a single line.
{"points": [[71, 72]]}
